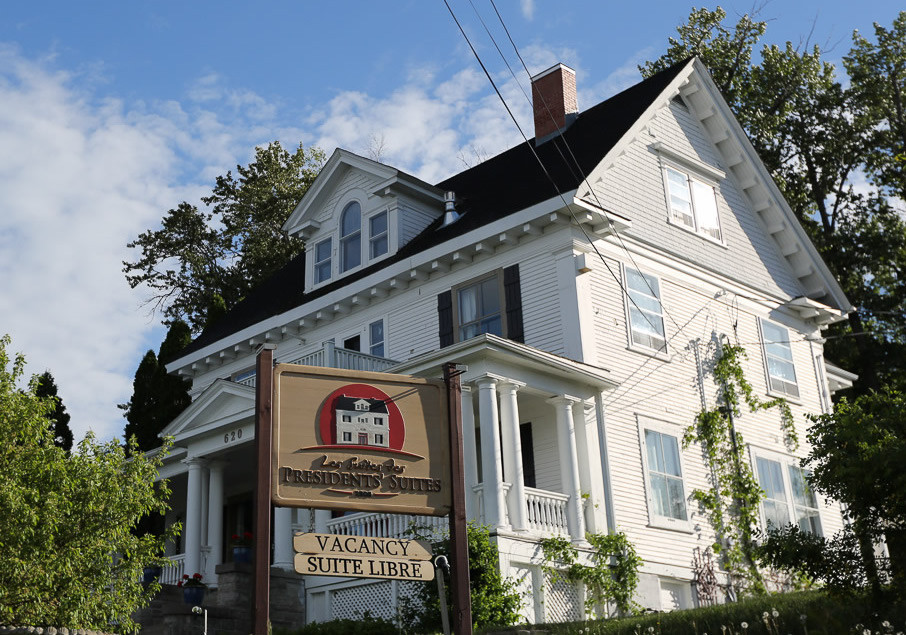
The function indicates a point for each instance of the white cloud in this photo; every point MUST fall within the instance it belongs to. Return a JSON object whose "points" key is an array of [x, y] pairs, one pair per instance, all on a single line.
{"points": [[528, 9], [81, 175]]}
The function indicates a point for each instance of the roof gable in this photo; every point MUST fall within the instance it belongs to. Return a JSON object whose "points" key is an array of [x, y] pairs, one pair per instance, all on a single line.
{"points": [[223, 402]]}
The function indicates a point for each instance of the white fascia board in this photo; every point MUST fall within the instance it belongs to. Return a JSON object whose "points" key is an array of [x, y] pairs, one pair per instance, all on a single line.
{"points": [[410, 186], [211, 394], [640, 124], [394, 270]]}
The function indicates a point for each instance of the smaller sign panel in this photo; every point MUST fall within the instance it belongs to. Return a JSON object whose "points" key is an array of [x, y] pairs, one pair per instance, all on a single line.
{"points": [[355, 566], [341, 546]]}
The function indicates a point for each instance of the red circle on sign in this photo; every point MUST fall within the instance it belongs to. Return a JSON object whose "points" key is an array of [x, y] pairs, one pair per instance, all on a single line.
{"points": [[328, 420]]}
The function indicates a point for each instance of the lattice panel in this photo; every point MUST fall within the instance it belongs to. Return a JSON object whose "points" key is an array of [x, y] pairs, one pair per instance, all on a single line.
{"points": [[562, 601], [354, 602], [522, 576]]}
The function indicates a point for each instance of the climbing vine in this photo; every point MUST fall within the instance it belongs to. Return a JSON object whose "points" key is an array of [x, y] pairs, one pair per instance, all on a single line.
{"points": [[732, 505], [611, 576]]}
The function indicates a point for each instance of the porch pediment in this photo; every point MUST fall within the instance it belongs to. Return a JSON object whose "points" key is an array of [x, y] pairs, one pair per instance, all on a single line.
{"points": [[222, 403]]}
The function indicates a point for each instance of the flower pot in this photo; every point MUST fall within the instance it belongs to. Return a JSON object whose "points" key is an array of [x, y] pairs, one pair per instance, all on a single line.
{"points": [[193, 595], [150, 574], [242, 554]]}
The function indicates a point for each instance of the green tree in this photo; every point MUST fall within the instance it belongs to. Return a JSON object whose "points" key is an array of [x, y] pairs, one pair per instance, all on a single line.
{"points": [[815, 136], [233, 244], [495, 601], [877, 73], [47, 389], [157, 397], [857, 457], [70, 557]]}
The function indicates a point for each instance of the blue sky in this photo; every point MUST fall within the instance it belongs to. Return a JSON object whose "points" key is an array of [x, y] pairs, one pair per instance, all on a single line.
{"points": [[111, 113]]}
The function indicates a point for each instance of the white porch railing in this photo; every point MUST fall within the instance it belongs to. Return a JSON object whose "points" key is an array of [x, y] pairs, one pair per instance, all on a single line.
{"points": [[173, 573], [385, 525], [331, 356], [546, 511]]}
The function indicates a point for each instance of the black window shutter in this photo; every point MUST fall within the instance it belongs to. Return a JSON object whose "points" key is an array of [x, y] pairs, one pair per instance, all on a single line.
{"points": [[512, 293], [445, 318]]}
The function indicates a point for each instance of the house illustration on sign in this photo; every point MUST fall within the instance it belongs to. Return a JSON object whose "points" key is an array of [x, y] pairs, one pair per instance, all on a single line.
{"points": [[362, 421], [586, 280]]}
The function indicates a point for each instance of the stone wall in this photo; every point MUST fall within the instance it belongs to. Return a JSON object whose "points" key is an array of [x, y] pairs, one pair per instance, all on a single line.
{"points": [[229, 606]]}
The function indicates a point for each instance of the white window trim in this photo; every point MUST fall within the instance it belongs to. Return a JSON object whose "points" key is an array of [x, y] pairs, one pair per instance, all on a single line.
{"points": [[627, 303], [676, 431], [797, 398], [785, 460]]}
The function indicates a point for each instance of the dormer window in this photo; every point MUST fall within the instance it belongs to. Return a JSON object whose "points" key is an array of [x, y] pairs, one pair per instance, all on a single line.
{"points": [[351, 237]]}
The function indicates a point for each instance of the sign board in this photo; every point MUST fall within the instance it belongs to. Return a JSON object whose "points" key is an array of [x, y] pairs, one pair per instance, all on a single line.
{"points": [[362, 557], [363, 567], [400, 548], [360, 441]]}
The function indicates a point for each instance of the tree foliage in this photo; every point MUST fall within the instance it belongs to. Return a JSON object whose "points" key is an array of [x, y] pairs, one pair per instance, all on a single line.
{"points": [[47, 389], [157, 397], [199, 258], [495, 600], [817, 137], [70, 557], [857, 457]]}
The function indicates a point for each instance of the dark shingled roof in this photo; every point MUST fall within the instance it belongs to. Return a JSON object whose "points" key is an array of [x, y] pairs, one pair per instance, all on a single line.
{"points": [[502, 185]]}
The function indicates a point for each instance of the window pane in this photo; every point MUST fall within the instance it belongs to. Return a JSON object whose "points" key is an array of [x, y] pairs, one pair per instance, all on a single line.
{"points": [[492, 325], [352, 219], [770, 478], [378, 235], [490, 300], [659, 495], [468, 304], [351, 248], [706, 209], [776, 515], [655, 455], [677, 499], [671, 455], [802, 493], [377, 338], [779, 357], [322, 260]]}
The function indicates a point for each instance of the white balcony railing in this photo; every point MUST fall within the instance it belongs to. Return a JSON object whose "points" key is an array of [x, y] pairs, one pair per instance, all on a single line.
{"points": [[386, 525], [331, 356], [546, 511]]}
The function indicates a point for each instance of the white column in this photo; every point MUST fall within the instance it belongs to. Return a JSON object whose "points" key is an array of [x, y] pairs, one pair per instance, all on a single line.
{"points": [[512, 454], [193, 516], [215, 518], [587, 449], [569, 465], [321, 518], [491, 468], [470, 452], [283, 538]]}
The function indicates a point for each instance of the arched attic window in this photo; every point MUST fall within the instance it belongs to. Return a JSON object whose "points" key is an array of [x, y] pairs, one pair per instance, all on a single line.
{"points": [[351, 237]]}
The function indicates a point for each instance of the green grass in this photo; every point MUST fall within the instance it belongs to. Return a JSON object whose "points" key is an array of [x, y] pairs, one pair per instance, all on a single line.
{"points": [[803, 613]]}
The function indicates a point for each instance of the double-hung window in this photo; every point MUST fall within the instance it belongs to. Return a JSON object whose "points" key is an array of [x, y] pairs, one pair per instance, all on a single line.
{"points": [[646, 316], [778, 357], [377, 235], [322, 260], [479, 308], [663, 475], [693, 203], [788, 497], [351, 237], [376, 338]]}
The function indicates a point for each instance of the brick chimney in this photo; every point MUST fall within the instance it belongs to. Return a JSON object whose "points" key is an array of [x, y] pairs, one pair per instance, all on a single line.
{"points": [[553, 101]]}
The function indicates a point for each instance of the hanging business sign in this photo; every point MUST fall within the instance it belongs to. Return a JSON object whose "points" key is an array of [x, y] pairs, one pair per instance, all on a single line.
{"points": [[362, 557], [360, 441]]}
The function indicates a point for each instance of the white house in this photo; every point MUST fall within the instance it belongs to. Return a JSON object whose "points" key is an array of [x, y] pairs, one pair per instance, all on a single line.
{"points": [[584, 279]]}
